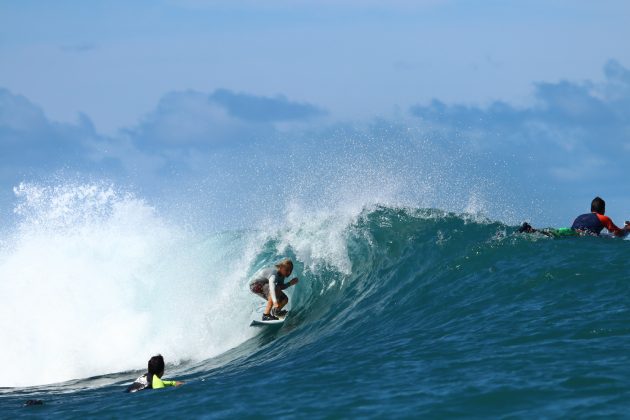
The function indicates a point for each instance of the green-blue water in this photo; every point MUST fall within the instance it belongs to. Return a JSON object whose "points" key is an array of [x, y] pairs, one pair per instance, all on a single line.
{"points": [[416, 313]]}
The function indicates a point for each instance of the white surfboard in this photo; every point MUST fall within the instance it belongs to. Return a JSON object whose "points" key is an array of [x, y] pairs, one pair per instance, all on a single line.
{"points": [[258, 322]]}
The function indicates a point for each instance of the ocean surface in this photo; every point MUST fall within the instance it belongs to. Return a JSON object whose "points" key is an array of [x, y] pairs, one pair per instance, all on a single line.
{"points": [[399, 312]]}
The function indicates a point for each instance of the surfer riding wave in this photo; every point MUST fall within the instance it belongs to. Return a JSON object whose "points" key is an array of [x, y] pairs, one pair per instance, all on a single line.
{"points": [[269, 285]]}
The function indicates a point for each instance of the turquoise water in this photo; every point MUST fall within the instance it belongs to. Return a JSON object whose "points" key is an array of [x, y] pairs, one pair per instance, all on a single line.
{"points": [[398, 313]]}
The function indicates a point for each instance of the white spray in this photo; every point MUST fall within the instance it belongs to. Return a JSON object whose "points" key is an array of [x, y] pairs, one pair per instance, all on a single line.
{"points": [[93, 281]]}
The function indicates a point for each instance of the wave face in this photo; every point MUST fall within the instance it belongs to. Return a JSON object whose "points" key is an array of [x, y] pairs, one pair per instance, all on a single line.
{"points": [[399, 312]]}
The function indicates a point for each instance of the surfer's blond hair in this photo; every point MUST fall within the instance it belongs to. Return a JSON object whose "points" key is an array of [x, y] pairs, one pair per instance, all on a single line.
{"points": [[285, 263]]}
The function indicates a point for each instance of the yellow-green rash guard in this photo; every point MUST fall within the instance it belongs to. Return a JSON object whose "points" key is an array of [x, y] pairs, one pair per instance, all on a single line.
{"points": [[158, 383]]}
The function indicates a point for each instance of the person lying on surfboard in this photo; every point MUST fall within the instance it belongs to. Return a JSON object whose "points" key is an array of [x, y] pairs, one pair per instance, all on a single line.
{"points": [[269, 285], [586, 224], [594, 222], [153, 378]]}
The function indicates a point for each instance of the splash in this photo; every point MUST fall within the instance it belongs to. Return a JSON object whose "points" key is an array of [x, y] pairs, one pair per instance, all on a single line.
{"points": [[94, 281]]}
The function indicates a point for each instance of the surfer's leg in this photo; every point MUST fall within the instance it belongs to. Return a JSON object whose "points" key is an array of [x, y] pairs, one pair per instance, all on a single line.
{"points": [[282, 299], [267, 296], [268, 307]]}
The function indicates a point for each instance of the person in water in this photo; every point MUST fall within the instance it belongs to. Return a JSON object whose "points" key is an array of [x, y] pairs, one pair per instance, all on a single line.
{"points": [[586, 224], [594, 222], [269, 285], [153, 378]]}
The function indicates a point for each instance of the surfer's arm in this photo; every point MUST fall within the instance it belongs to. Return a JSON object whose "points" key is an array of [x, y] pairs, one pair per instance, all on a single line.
{"points": [[272, 288], [159, 383], [289, 284], [172, 383], [169, 383], [611, 227]]}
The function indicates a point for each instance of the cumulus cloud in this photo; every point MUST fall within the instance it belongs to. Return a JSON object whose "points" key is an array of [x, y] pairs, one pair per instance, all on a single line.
{"points": [[188, 120], [263, 109], [194, 120], [32, 144], [573, 132], [179, 134], [575, 137]]}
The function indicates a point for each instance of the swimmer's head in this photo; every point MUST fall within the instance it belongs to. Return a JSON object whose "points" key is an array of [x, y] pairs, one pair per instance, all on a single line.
{"points": [[156, 366], [598, 206]]}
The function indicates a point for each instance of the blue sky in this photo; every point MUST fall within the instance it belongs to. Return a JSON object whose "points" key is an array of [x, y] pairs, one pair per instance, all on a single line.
{"points": [[355, 58], [146, 92]]}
